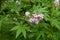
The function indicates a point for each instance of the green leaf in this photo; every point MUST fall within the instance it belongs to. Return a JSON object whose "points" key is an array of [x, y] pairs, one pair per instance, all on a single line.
{"points": [[31, 35], [18, 32], [38, 36], [57, 24], [52, 22], [26, 1], [14, 28], [41, 33], [24, 31]]}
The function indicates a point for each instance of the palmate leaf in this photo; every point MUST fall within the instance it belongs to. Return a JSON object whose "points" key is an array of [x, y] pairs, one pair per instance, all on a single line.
{"points": [[39, 9], [41, 34], [18, 32], [19, 29], [14, 28], [38, 36], [57, 24], [23, 29], [24, 33], [52, 22]]}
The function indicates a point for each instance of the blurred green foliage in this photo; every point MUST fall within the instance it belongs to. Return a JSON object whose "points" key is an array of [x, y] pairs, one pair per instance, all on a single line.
{"points": [[20, 28]]}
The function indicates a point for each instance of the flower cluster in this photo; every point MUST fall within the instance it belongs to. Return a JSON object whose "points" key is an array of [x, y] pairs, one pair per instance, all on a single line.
{"points": [[35, 18], [56, 2]]}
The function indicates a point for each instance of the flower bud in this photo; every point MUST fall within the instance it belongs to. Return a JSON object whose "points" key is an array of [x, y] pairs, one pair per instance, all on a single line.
{"points": [[27, 14], [17, 2], [14, 19]]}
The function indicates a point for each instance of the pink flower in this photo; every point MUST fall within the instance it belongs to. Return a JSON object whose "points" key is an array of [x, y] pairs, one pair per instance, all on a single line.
{"points": [[36, 18], [27, 14], [56, 2], [31, 20], [34, 15], [36, 21], [40, 16]]}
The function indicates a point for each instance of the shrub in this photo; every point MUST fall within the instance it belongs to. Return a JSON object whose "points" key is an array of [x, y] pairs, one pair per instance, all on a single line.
{"points": [[15, 25]]}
